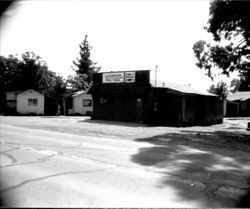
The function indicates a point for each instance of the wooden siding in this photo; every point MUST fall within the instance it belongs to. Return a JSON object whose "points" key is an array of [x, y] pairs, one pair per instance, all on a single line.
{"points": [[117, 108]]}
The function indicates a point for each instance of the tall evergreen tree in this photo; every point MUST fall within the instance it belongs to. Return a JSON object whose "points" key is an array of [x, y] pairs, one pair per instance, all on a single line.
{"points": [[85, 68]]}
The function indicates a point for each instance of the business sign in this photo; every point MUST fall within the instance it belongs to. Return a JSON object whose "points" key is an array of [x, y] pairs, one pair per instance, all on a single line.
{"points": [[129, 77], [118, 77], [113, 77]]}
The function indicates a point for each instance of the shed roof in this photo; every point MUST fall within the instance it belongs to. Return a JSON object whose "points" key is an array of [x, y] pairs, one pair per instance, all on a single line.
{"points": [[240, 95], [78, 93], [13, 92], [30, 90]]}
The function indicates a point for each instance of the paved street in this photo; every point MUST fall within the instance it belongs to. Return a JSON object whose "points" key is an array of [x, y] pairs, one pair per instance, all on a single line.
{"points": [[74, 162]]}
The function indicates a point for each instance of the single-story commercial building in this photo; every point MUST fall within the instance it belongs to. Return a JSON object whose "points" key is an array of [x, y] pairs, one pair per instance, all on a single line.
{"points": [[25, 102], [237, 104], [129, 96], [81, 103]]}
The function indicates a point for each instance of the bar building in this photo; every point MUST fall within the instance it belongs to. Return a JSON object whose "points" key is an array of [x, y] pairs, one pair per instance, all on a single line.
{"points": [[129, 96]]}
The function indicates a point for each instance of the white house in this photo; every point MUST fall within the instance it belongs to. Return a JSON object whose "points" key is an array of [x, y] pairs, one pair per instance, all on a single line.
{"points": [[82, 103], [30, 101]]}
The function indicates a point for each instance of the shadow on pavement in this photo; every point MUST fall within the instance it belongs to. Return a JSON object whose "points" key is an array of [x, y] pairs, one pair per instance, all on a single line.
{"points": [[211, 168], [117, 123]]}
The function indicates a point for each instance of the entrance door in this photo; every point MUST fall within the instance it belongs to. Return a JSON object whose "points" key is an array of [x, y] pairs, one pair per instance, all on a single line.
{"points": [[139, 110]]}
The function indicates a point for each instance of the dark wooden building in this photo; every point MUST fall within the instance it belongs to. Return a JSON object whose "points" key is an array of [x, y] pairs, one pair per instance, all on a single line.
{"points": [[129, 96], [237, 104]]}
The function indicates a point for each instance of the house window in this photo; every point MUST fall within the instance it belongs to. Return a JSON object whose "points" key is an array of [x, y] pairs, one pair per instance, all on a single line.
{"points": [[87, 102], [32, 102]]}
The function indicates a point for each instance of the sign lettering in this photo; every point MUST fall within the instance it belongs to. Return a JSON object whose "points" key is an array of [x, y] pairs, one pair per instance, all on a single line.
{"points": [[118, 77], [113, 77], [129, 77]]}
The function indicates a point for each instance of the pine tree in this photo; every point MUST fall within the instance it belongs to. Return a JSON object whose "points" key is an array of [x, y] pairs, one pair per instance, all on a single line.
{"points": [[85, 68]]}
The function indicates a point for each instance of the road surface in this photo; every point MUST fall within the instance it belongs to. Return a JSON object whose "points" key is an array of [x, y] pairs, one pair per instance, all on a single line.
{"points": [[54, 162]]}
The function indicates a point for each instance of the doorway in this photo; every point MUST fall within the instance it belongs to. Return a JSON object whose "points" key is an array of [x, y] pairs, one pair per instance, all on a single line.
{"points": [[139, 110]]}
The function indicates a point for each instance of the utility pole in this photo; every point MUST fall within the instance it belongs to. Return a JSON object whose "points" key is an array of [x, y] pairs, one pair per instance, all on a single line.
{"points": [[156, 75]]}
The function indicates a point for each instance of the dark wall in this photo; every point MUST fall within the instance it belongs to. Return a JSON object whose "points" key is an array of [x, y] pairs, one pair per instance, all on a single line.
{"points": [[191, 111], [232, 109], [238, 108], [245, 108], [117, 107], [212, 110], [119, 101], [202, 110], [53, 106], [165, 108]]}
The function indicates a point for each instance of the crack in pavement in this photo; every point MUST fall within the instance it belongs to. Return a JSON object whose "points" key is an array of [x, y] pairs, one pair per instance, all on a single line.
{"points": [[40, 160], [13, 159], [80, 146], [50, 176], [10, 150]]}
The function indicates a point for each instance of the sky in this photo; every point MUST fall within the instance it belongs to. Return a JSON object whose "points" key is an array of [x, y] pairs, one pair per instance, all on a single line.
{"points": [[124, 35]]}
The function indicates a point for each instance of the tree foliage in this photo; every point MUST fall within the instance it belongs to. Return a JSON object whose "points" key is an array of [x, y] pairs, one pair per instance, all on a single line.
{"points": [[29, 72], [220, 89], [235, 85], [84, 68], [229, 23]]}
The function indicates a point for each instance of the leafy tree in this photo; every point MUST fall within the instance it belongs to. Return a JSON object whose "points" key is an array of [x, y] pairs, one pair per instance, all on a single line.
{"points": [[85, 68], [10, 74], [31, 72], [235, 85], [59, 86], [35, 73], [221, 89], [229, 23]]}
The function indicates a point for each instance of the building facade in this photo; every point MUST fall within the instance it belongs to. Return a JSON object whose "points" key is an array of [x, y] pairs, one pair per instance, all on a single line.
{"points": [[237, 104], [30, 101], [129, 96], [82, 103], [25, 102]]}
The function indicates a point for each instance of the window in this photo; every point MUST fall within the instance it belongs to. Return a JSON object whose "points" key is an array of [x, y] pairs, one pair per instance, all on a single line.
{"points": [[32, 102], [87, 102]]}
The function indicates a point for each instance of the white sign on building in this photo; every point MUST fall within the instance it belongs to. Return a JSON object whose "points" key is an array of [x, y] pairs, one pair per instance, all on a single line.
{"points": [[118, 77], [113, 77], [129, 77]]}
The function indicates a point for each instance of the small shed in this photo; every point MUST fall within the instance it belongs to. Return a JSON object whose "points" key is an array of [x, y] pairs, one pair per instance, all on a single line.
{"points": [[30, 102], [238, 104], [82, 103], [11, 102]]}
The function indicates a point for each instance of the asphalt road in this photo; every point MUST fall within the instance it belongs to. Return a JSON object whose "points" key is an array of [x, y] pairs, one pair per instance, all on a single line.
{"points": [[53, 168]]}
